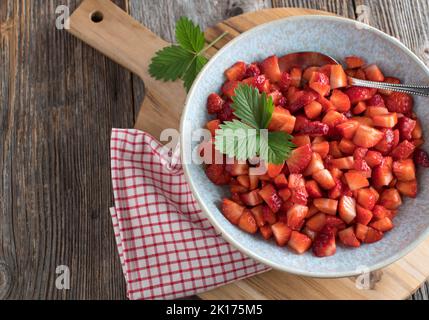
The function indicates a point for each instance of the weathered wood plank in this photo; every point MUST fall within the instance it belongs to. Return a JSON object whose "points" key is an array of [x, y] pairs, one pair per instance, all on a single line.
{"points": [[343, 8], [59, 100]]}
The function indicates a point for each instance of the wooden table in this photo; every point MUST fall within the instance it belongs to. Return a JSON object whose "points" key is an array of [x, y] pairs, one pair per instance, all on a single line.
{"points": [[59, 100]]}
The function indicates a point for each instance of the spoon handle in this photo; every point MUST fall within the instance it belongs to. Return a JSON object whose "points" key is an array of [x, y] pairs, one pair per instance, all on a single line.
{"points": [[411, 89]]}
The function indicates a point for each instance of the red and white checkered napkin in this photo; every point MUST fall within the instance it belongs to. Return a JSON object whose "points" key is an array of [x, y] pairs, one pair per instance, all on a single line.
{"points": [[168, 248]]}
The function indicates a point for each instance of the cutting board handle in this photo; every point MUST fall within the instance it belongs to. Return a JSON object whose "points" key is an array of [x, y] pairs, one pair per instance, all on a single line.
{"points": [[110, 30]]}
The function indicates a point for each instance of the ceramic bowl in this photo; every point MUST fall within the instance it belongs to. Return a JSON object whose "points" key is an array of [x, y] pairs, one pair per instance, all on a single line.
{"points": [[338, 37]]}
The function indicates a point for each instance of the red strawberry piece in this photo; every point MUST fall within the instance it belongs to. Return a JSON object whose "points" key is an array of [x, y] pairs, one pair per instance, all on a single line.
{"points": [[316, 222], [421, 158], [407, 188], [275, 95], [359, 108], [382, 225], [252, 70], [347, 129], [217, 174], [229, 87], [299, 159], [226, 114], [333, 118], [313, 110], [356, 180], [373, 158], [296, 76], [296, 180], [386, 144], [214, 103], [417, 132], [347, 209], [236, 198], [320, 83], [353, 62], [296, 215], [336, 191], [358, 94], [313, 189], [315, 129], [340, 100], [270, 67], [299, 242], [386, 120], [307, 97], [360, 153], [236, 187], [251, 198], [338, 78], [400, 102], [382, 175], [212, 126], [306, 75], [244, 181], [367, 137], [300, 123], [321, 148], [404, 170], [301, 140], [274, 169], [372, 111], [346, 146], [247, 222], [281, 181], [299, 195], [363, 216], [261, 83], [259, 215], [236, 72], [266, 232], [282, 102], [282, 120], [285, 194], [237, 168], [343, 163], [348, 237], [325, 205], [373, 73], [406, 126], [376, 101], [403, 151], [373, 235], [281, 233], [361, 231], [269, 216], [380, 212], [324, 244], [367, 198], [232, 210], [390, 199], [270, 196], [324, 179], [363, 167], [285, 81]]}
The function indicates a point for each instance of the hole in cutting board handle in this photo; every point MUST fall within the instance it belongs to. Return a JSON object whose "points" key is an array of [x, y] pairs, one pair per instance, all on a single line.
{"points": [[97, 16]]}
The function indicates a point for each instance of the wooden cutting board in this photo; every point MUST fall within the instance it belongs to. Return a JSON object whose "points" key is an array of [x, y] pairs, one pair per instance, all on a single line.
{"points": [[113, 32]]}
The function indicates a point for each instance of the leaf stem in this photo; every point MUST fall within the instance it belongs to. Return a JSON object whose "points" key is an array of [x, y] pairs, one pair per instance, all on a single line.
{"points": [[213, 42]]}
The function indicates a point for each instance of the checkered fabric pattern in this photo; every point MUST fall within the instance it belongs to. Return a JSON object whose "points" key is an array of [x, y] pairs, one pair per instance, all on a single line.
{"points": [[168, 249]]}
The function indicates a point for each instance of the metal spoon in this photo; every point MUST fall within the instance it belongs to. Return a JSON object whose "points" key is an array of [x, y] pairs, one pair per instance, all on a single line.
{"points": [[317, 59]]}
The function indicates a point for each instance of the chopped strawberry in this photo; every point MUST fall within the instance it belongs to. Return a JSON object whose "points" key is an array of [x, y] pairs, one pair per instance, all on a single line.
{"points": [[282, 120], [313, 189], [343, 163], [359, 108], [382, 225], [299, 195], [296, 76], [258, 213], [236, 72], [271, 198], [373, 235], [346, 146], [281, 233], [314, 129], [299, 242], [373, 73], [390, 139], [296, 215], [281, 181], [367, 137], [417, 133], [358, 94], [306, 75], [347, 209], [356, 180], [217, 174], [348, 129], [390, 199], [275, 95], [274, 170], [382, 174], [214, 103], [229, 87], [333, 118], [421, 158], [324, 179], [321, 148], [244, 181], [320, 83], [253, 182], [399, 102], [316, 222], [363, 167], [252, 70], [367, 198], [307, 97], [299, 159], [373, 158], [266, 232], [301, 140], [226, 114], [353, 62], [361, 231], [237, 168], [386, 120], [232, 210], [376, 103], [334, 149], [313, 110], [336, 191], [285, 81], [348, 237], [407, 188], [363, 216], [360, 153], [340, 101], [404, 170], [251, 198], [316, 164], [285, 194], [406, 126], [247, 222], [212, 126], [324, 244], [325, 205], [403, 151], [270, 67], [338, 77]]}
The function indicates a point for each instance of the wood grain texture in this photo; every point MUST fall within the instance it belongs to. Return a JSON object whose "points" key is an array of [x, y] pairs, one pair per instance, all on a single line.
{"points": [[58, 101]]}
